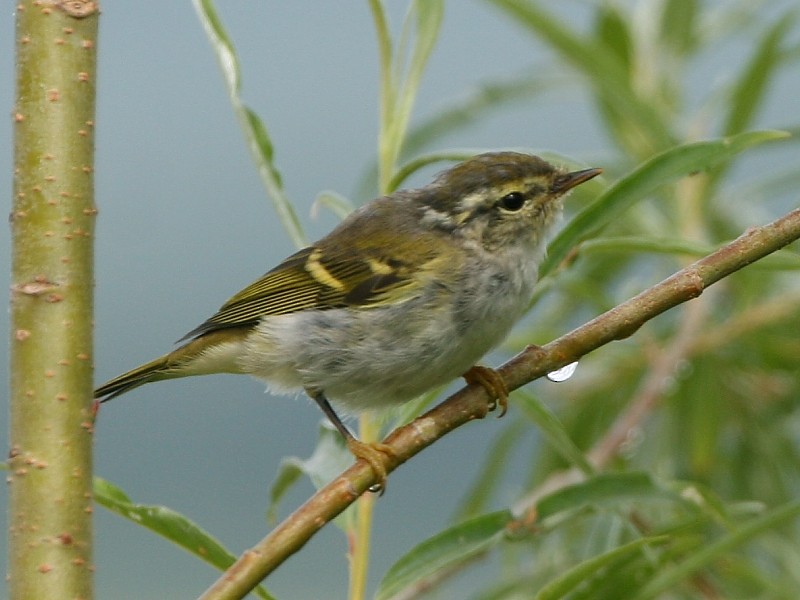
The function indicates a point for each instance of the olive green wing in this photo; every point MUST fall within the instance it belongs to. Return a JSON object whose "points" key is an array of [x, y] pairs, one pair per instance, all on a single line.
{"points": [[319, 280]]}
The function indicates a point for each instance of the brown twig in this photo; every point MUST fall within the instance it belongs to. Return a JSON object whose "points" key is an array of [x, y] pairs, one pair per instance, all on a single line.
{"points": [[472, 402]]}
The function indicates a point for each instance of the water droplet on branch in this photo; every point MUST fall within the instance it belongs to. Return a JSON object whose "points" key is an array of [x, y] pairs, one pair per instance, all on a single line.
{"points": [[563, 373]]}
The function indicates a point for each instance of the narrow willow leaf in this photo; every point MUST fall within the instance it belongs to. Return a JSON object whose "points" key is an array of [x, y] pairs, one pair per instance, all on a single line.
{"points": [[387, 86], [333, 201], [553, 430], [678, 22], [671, 575], [261, 138], [635, 243], [167, 523], [598, 63], [606, 488], [572, 578], [428, 18], [749, 91], [425, 160], [613, 33], [329, 458], [289, 472], [782, 260], [661, 169], [256, 134], [429, 14], [445, 550]]}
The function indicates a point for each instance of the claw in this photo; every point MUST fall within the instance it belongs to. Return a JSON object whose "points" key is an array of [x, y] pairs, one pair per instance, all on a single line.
{"points": [[374, 454], [492, 382]]}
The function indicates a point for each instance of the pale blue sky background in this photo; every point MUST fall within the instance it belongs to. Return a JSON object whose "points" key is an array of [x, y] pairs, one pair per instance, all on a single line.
{"points": [[184, 223]]}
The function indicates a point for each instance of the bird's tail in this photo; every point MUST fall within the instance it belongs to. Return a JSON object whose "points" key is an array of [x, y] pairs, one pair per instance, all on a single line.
{"points": [[155, 370], [214, 352]]}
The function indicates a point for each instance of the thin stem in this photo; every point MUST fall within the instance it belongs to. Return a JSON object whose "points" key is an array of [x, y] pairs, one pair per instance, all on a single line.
{"points": [[361, 546], [387, 92], [360, 541], [256, 134], [368, 429]]}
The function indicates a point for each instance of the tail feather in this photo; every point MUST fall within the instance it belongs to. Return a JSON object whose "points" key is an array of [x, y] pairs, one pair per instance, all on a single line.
{"points": [[181, 362], [153, 371]]}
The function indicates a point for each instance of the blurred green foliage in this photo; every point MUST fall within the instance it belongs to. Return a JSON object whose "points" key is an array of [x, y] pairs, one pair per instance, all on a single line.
{"points": [[709, 392], [669, 465]]}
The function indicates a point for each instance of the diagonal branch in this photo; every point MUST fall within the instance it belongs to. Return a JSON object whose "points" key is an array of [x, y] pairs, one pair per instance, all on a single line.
{"points": [[473, 403]]}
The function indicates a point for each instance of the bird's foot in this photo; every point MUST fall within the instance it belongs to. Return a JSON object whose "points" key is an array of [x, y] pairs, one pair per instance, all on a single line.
{"points": [[374, 454], [492, 382]]}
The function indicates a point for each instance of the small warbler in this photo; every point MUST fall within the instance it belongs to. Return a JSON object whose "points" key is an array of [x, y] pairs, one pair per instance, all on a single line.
{"points": [[406, 294]]}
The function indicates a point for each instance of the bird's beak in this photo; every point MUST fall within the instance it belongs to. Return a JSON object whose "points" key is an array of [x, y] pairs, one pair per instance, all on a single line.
{"points": [[564, 183]]}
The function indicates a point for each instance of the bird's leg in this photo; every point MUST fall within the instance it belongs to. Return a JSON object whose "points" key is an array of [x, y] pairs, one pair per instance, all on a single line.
{"points": [[492, 382], [373, 453]]}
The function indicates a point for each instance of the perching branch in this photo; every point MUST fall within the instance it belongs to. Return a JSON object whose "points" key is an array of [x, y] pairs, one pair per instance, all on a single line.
{"points": [[473, 403]]}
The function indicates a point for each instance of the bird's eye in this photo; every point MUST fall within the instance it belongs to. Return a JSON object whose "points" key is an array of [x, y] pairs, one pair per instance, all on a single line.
{"points": [[513, 201]]}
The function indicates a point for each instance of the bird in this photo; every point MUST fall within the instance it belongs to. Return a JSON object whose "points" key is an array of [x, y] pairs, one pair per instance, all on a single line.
{"points": [[406, 294]]}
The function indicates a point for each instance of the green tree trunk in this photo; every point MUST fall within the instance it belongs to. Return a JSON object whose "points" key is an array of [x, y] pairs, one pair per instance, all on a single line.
{"points": [[52, 222]]}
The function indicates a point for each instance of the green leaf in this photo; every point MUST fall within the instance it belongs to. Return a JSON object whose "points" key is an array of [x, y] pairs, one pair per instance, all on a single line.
{"points": [[782, 260], [671, 575], [424, 160], [613, 33], [660, 170], [385, 53], [606, 488], [333, 201], [289, 472], [568, 581], [601, 66], [261, 138], [329, 459], [553, 430], [429, 14], [400, 82], [169, 524], [445, 550], [748, 92], [678, 25], [637, 244], [256, 134]]}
